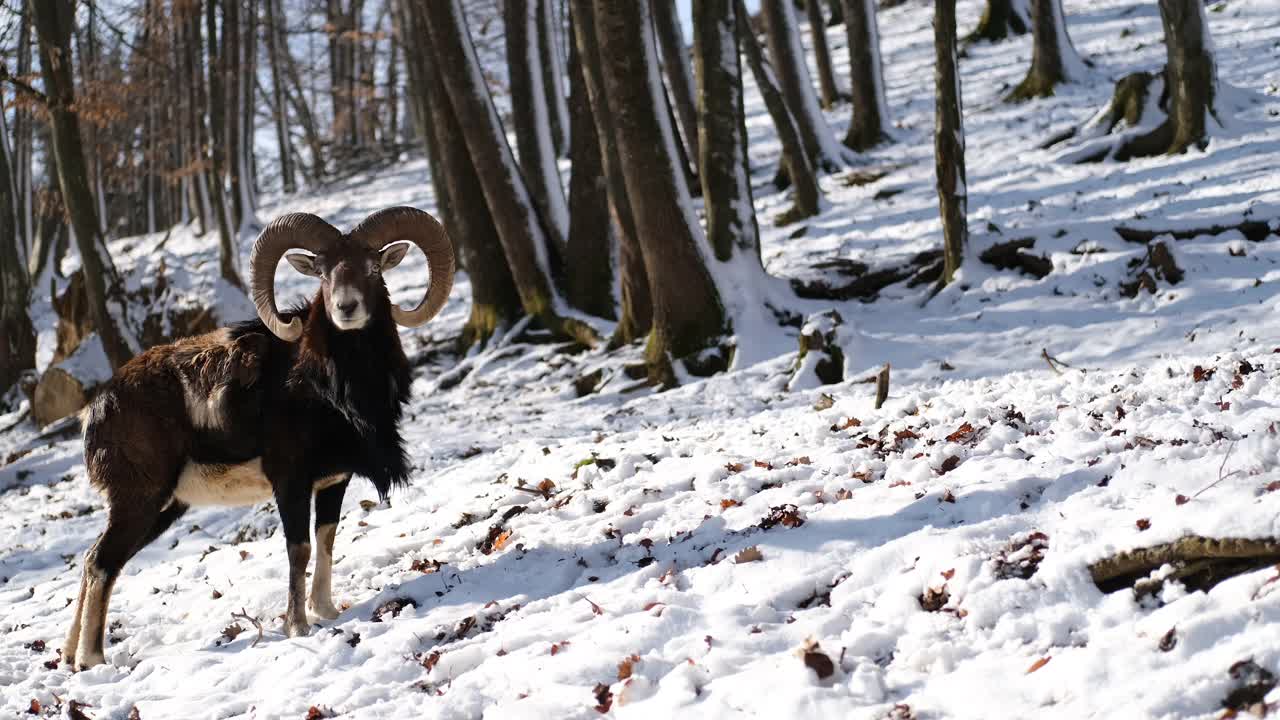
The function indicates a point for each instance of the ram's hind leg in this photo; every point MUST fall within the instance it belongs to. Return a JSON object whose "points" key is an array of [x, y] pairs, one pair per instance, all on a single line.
{"points": [[328, 511], [130, 527]]}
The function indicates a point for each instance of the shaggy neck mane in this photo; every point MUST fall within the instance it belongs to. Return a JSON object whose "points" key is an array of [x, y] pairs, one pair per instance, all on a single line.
{"points": [[363, 375]]}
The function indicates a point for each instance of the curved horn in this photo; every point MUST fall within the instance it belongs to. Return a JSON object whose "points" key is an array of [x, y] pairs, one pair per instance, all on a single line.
{"points": [[295, 230], [405, 223]]}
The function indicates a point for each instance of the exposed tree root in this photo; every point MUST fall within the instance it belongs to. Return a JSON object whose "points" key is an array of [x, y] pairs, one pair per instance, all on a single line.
{"points": [[1013, 255], [1253, 230], [1199, 562], [1159, 264], [867, 284]]}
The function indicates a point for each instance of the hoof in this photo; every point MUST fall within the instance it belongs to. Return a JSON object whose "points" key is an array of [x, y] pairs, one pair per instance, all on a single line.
{"points": [[84, 661], [324, 609], [295, 629]]}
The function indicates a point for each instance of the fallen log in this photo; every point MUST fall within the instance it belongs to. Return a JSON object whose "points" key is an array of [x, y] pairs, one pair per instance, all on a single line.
{"points": [[1253, 230], [1198, 562]]}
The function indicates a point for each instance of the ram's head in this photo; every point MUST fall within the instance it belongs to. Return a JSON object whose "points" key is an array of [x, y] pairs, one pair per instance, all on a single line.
{"points": [[350, 266]]}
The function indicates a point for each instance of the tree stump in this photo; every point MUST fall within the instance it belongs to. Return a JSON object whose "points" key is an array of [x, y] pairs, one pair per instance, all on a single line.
{"points": [[821, 358], [66, 387]]}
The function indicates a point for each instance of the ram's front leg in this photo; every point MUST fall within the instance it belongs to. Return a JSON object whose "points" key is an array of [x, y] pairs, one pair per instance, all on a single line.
{"points": [[328, 510], [295, 517]]}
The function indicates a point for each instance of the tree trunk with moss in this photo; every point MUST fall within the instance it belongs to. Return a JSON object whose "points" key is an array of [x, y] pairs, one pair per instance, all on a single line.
{"points": [[689, 318], [1053, 57], [948, 137], [54, 21], [828, 92], [787, 55], [675, 63], [589, 261], [726, 184], [531, 119], [495, 303], [869, 124], [524, 240], [17, 338], [635, 317], [1000, 19], [1192, 81], [795, 161]]}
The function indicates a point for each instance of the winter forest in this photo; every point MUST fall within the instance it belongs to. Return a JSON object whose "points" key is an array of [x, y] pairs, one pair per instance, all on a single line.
{"points": [[885, 359]]}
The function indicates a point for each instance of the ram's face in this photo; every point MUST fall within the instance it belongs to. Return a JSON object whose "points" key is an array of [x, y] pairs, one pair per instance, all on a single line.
{"points": [[350, 281]]}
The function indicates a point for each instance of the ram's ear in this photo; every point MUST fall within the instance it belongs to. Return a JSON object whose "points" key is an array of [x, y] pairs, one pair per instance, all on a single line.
{"points": [[392, 255], [305, 264]]}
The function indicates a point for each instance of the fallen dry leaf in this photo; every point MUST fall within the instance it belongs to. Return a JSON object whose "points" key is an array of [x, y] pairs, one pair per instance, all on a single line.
{"points": [[1039, 664], [604, 698], [750, 554], [627, 665]]}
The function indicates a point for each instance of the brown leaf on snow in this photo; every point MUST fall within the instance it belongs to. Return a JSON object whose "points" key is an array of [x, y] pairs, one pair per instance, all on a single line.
{"points": [[134, 714], [907, 434], [75, 710], [1199, 374], [785, 515], [1169, 640], [35, 708], [604, 698], [749, 554], [764, 465], [734, 468], [951, 463], [728, 503], [962, 433], [1181, 500], [1143, 524], [626, 667], [1273, 486], [817, 660], [317, 713], [948, 574], [231, 632], [863, 475], [429, 662], [843, 494], [426, 567], [802, 460], [934, 599], [949, 497], [557, 647], [595, 609], [852, 422], [1039, 664], [392, 607]]}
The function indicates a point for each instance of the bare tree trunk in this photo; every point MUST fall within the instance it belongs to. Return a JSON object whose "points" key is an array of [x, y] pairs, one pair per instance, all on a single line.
{"points": [[793, 77], [869, 124], [302, 111], [413, 36], [24, 139], [830, 95], [689, 319], [795, 161], [675, 60], [189, 27], [635, 318], [530, 116], [17, 338], [589, 260], [495, 303], [280, 112], [249, 73], [54, 20], [948, 140], [1054, 59], [1191, 79], [552, 65], [726, 184], [1000, 19], [227, 258], [230, 99], [524, 241]]}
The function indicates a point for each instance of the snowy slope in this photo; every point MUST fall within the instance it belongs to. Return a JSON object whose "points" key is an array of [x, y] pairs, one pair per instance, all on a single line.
{"points": [[519, 597]]}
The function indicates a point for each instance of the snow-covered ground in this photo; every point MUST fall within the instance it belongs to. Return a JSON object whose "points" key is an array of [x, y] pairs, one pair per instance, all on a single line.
{"points": [[707, 551]]}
